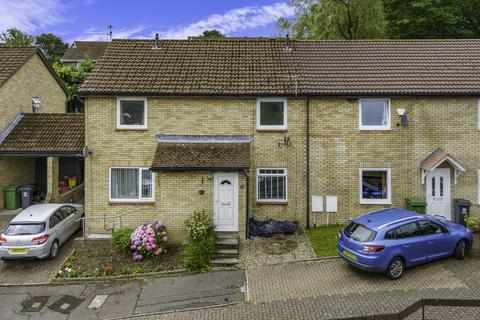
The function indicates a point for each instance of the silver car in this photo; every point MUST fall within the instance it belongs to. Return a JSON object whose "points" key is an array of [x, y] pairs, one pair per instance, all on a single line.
{"points": [[39, 231]]}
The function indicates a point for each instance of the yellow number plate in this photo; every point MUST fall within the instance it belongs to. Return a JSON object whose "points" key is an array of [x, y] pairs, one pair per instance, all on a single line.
{"points": [[350, 255], [17, 251]]}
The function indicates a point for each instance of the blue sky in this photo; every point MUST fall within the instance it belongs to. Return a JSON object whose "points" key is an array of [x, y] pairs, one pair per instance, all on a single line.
{"points": [[88, 19]]}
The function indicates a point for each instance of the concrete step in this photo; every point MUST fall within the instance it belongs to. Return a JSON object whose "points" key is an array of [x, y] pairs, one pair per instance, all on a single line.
{"points": [[224, 261], [227, 241], [227, 252], [225, 234]]}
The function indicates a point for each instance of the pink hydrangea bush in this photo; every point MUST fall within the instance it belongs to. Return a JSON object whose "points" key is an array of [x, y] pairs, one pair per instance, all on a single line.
{"points": [[149, 240]]}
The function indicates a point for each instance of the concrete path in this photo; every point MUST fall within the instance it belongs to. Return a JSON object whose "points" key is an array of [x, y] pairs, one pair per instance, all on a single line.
{"points": [[124, 298]]}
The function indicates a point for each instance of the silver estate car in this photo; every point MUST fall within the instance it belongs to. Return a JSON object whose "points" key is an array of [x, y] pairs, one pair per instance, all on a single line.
{"points": [[40, 230]]}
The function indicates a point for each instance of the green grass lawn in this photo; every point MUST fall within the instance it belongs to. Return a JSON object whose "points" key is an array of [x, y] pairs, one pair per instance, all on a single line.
{"points": [[324, 240]]}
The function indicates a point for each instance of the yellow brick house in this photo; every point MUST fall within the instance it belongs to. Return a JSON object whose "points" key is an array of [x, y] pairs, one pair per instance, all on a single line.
{"points": [[298, 130]]}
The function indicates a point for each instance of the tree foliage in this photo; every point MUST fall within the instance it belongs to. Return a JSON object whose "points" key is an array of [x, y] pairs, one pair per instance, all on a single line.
{"points": [[214, 33], [15, 37], [430, 19], [52, 46], [73, 77], [336, 19]]}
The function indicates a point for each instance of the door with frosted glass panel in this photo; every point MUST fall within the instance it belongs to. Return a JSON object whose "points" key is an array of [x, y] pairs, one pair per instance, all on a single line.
{"points": [[438, 193]]}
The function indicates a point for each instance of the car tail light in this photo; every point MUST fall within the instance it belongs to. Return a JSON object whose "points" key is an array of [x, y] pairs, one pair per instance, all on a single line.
{"points": [[2, 240], [40, 240], [372, 249]]}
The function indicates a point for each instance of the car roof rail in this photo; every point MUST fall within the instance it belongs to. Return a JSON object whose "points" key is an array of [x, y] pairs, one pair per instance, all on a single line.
{"points": [[399, 220]]}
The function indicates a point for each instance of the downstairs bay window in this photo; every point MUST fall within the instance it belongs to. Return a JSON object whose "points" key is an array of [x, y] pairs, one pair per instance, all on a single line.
{"points": [[272, 185], [375, 186], [131, 185]]}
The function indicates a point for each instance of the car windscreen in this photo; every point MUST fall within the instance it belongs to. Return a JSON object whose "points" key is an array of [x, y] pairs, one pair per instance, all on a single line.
{"points": [[359, 232], [18, 229]]}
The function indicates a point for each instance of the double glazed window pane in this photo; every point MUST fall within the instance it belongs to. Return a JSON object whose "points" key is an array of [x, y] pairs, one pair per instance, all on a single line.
{"points": [[146, 184], [132, 112], [124, 183], [374, 112], [271, 113], [374, 185], [272, 185]]}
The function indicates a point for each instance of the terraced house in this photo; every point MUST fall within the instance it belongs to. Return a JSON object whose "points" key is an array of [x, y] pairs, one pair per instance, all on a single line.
{"points": [[300, 130]]}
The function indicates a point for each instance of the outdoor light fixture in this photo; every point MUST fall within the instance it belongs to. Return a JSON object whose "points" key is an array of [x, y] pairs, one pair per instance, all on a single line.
{"points": [[35, 104], [403, 116], [401, 111]]}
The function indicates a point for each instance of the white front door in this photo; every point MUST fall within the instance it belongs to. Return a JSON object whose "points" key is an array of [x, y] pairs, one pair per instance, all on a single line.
{"points": [[226, 201], [438, 193]]}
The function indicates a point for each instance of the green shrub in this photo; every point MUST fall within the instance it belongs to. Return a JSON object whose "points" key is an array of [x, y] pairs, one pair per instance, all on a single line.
{"points": [[473, 223], [121, 238], [198, 254], [200, 225]]}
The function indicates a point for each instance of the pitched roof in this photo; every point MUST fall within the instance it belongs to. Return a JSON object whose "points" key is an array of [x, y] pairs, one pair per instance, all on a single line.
{"points": [[45, 133], [437, 157], [85, 50], [264, 68], [191, 156], [12, 58]]}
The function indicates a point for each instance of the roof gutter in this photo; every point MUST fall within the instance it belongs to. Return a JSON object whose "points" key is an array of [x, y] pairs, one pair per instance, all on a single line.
{"points": [[42, 154]]}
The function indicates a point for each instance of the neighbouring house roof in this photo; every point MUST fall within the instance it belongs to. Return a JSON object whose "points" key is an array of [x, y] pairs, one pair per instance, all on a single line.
{"points": [[201, 156], [12, 58], [437, 157], [85, 50], [44, 134], [255, 67]]}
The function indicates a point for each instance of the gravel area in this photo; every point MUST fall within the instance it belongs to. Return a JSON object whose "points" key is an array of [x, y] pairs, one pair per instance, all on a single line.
{"points": [[276, 249]]}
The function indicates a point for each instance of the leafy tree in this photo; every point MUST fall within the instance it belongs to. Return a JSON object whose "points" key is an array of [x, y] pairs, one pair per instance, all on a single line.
{"points": [[15, 37], [336, 19], [73, 77], [433, 19], [52, 46], [212, 34]]}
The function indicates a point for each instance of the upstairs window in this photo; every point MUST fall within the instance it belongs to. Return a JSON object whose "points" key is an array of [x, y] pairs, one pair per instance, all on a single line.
{"points": [[271, 114], [374, 114], [375, 186], [272, 185], [131, 113], [131, 184]]}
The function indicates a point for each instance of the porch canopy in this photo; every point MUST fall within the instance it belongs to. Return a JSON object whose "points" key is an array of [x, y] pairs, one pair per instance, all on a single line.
{"points": [[182, 153], [437, 158], [44, 135]]}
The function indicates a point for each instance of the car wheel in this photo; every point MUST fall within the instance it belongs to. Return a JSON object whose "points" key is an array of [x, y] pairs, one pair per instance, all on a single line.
{"points": [[395, 269], [54, 250], [460, 250]]}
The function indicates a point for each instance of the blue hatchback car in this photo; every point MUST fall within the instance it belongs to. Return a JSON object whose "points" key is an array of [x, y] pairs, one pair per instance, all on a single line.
{"points": [[391, 240]]}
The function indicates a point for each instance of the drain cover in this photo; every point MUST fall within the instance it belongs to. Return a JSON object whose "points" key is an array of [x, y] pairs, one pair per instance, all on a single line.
{"points": [[35, 304], [98, 301], [66, 304]]}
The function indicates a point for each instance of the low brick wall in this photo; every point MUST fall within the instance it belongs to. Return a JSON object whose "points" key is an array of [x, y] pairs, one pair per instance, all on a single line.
{"points": [[84, 243]]}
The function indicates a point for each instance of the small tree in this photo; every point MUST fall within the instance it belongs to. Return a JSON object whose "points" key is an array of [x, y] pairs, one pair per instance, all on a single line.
{"points": [[15, 37], [52, 46]]}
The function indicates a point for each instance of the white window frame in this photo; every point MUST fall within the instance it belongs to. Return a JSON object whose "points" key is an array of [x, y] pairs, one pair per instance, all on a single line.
{"points": [[273, 127], [140, 198], [375, 128], [132, 127], [389, 187], [478, 186], [272, 175], [478, 115]]}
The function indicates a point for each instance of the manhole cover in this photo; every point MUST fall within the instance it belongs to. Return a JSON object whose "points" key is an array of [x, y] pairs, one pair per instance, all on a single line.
{"points": [[98, 301], [35, 304], [278, 245], [66, 304]]}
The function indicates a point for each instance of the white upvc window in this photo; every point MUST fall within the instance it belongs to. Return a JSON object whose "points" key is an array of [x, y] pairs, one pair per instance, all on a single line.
{"points": [[132, 113], [375, 186], [478, 115], [272, 114], [272, 185], [129, 184], [374, 114], [478, 185]]}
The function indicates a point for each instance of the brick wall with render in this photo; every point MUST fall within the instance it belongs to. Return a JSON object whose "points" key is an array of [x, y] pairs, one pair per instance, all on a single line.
{"points": [[33, 79], [338, 150]]}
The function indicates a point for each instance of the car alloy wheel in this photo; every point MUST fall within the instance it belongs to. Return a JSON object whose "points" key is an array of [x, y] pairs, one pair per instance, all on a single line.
{"points": [[54, 250], [460, 250], [395, 269]]}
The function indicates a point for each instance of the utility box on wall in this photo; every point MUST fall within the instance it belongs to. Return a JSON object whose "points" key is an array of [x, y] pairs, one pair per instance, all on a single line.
{"points": [[331, 203], [317, 203]]}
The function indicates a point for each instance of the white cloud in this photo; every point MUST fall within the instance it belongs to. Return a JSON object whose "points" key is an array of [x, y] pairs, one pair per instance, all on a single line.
{"points": [[96, 34], [30, 15], [232, 21]]}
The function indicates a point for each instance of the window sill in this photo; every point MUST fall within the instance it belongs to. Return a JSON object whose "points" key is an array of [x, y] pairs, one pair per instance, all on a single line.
{"points": [[375, 129], [131, 129], [376, 202], [272, 129], [131, 202], [272, 202]]}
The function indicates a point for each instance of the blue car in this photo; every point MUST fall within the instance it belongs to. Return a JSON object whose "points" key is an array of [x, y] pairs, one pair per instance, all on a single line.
{"points": [[391, 240]]}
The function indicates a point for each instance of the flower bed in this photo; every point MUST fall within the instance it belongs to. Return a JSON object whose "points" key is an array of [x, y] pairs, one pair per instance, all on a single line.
{"points": [[111, 261]]}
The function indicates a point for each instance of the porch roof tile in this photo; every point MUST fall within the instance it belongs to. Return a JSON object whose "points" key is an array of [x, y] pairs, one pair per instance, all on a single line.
{"points": [[45, 133], [196, 156], [437, 157]]}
